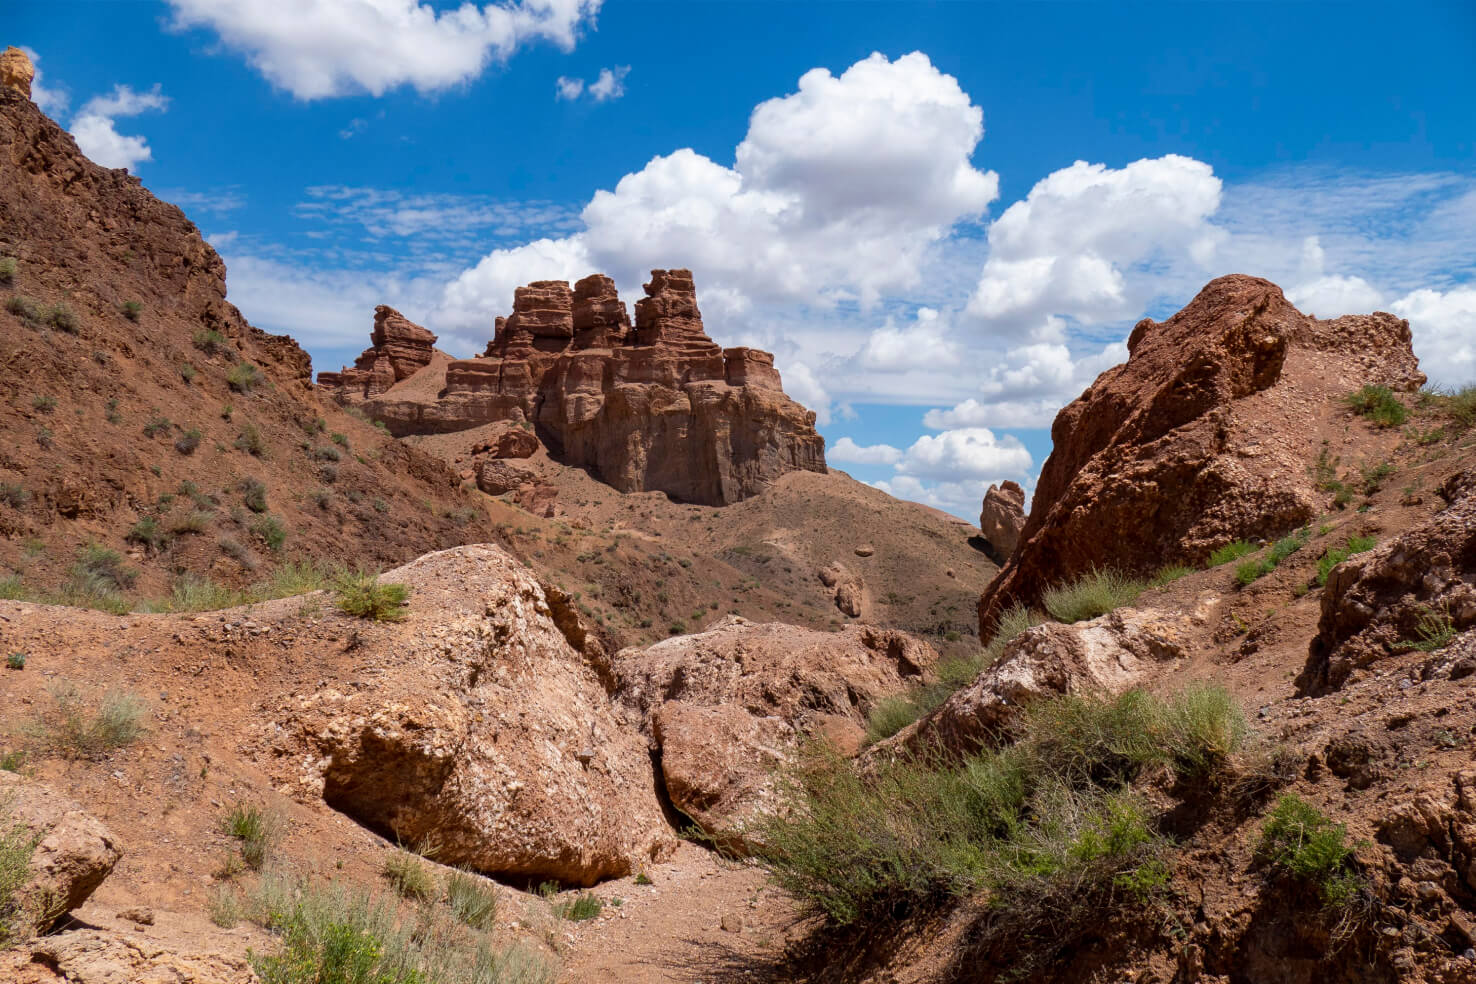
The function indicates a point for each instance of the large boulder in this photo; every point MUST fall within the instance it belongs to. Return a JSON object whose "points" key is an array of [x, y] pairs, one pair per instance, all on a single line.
{"points": [[724, 707], [73, 854], [1001, 518], [1401, 592], [1207, 434], [1106, 655], [484, 732], [95, 956]]}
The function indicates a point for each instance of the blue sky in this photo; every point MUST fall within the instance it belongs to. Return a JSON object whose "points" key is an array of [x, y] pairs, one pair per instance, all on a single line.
{"points": [[942, 218]]}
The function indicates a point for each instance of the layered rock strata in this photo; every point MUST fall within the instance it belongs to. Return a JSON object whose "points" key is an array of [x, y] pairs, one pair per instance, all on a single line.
{"points": [[649, 405], [399, 348], [1207, 434]]}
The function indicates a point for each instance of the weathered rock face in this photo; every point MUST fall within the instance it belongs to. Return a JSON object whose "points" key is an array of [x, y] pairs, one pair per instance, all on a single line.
{"points": [[16, 71], [654, 406], [73, 854], [1002, 518], [400, 349], [496, 476], [724, 706], [1205, 435], [1109, 654], [485, 731], [1376, 602], [850, 588]]}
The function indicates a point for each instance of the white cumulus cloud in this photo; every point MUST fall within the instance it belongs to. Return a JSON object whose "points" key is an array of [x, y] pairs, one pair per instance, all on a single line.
{"points": [[609, 84], [848, 451], [95, 129], [1444, 327], [325, 48]]}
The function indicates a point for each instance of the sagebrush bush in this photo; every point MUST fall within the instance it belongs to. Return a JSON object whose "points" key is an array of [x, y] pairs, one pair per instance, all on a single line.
{"points": [[251, 441], [257, 830], [244, 377], [187, 442], [254, 494], [1055, 807], [472, 898], [364, 595], [70, 727], [1091, 595], [1300, 841], [1378, 404], [63, 318]]}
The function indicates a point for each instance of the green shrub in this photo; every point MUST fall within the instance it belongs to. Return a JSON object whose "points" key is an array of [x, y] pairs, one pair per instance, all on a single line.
{"points": [[193, 522], [63, 318], [256, 829], [15, 661], [586, 905], [1433, 630], [409, 876], [187, 373], [1091, 595], [131, 310], [340, 439], [157, 425], [209, 342], [224, 906], [7, 270], [1378, 404], [17, 844], [244, 377], [473, 899], [363, 595], [1052, 812], [13, 761], [44, 402], [254, 494], [1458, 407], [250, 440], [326, 453], [1334, 556], [271, 530], [890, 715], [69, 728], [13, 495], [101, 568], [1299, 840], [148, 534], [1168, 575], [187, 442]]}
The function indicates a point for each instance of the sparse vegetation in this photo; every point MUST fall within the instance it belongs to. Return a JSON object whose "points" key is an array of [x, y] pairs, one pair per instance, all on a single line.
{"points": [[244, 377], [1300, 841], [7, 270], [1053, 812], [250, 441], [254, 494], [13, 495], [1433, 629], [208, 341], [187, 442], [70, 728], [43, 402], [131, 310], [17, 844], [1457, 407], [473, 899], [148, 534], [584, 906], [409, 876], [157, 425], [1091, 595], [271, 530], [224, 906], [256, 829], [1253, 570], [1378, 404], [1168, 575], [63, 318], [364, 595], [1230, 552], [187, 373], [1334, 556], [15, 661]]}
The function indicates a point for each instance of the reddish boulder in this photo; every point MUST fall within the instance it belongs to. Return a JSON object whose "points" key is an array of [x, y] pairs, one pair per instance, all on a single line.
{"points": [[1411, 590], [497, 476], [1204, 436], [1002, 518], [515, 443]]}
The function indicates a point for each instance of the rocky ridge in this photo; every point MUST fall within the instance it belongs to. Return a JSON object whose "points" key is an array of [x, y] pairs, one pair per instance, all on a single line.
{"points": [[653, 405]]}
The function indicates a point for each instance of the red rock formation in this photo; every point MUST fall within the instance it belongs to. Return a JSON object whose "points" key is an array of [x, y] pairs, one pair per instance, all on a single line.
{"points": [[16, 71], [1206, 435], [1002, 518], [400, 349], [656, 406]]}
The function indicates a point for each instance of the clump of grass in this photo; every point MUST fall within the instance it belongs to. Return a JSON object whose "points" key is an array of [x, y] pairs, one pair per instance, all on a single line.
{"points": [[271, 530], [208, 341], [1253, 570], [63, 318], [1378, 404], [148, 534], [71, 728], [473, 900], [250, 441], [7, 270], [17, 844], [224, 906], [1091, 595], [187, 442], [1373, 477], [43, 402], [13, 495], [244, 377], [1053, 813], [335, 935], [254, 494], [195, 593], [586, 905], [326, 453], [1457, 406], [1433, 629], [409, 876], [131, 310], [364, 595], [157, 425], [1300, 841], [256, 829], [1334, 556], [1168, 575], [15, 660]]}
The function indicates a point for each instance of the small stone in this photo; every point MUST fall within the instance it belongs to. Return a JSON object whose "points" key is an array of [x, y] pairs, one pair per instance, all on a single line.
{"points": [[865, 550], [138, 914], [732, 923]]}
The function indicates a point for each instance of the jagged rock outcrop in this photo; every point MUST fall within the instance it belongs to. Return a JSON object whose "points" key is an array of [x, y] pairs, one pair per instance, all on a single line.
{"points": [[1106, 655], [1002, 517], [400, 348], [74, 853], [485, 731], [1207, 434], [850, 587], [1411, 590], [16, 71], [724, 706], [654, 405], [497, 476]]}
